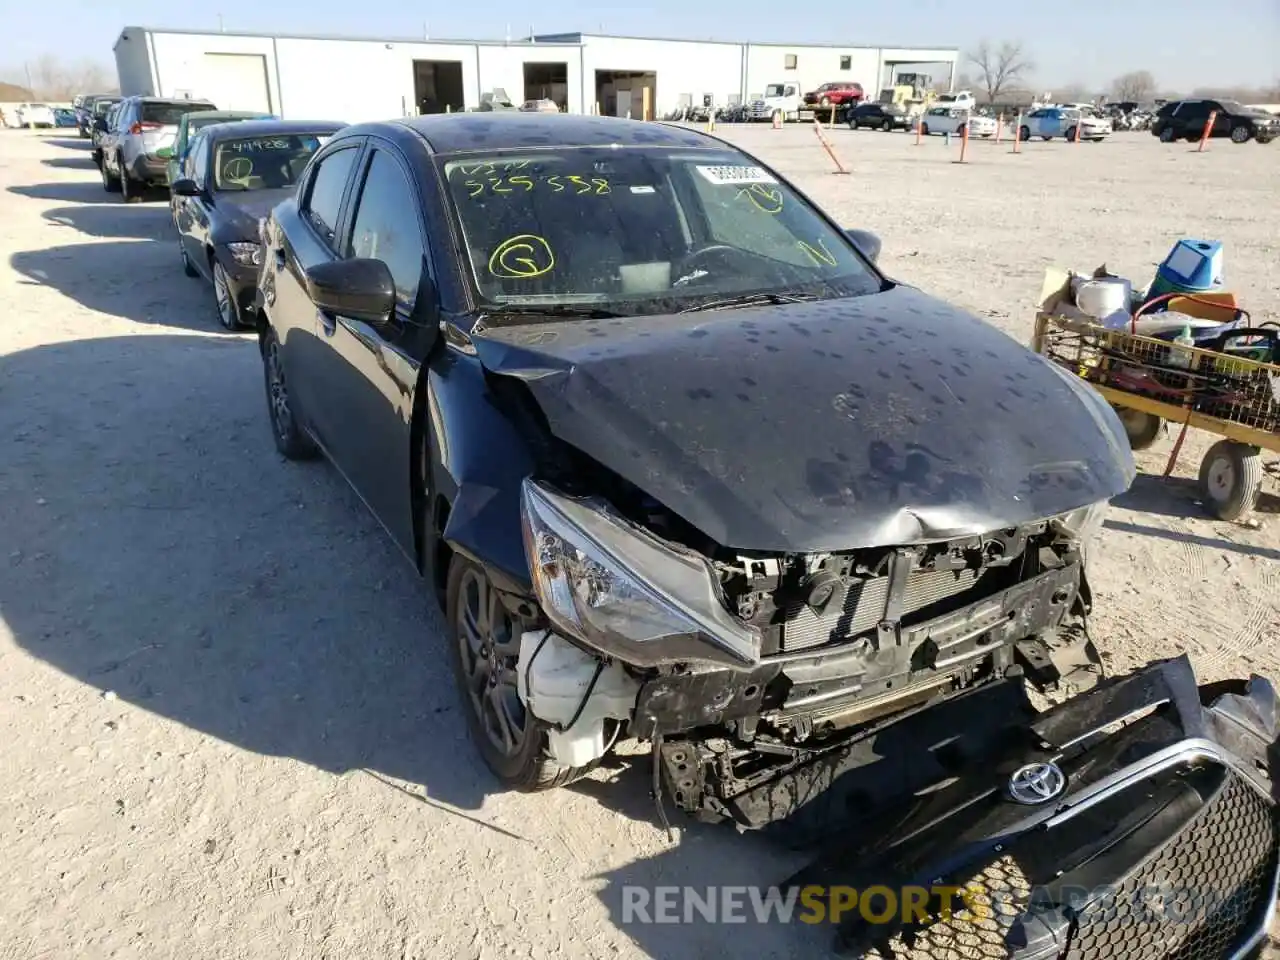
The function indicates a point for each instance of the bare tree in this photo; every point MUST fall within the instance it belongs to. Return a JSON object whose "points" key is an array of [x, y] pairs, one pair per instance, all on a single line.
{"points": [[53, 80], [1138, 86], [998, 67]]}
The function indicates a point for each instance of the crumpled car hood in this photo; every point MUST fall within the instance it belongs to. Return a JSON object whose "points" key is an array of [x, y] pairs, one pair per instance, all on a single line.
{"points": [[867, 421]]}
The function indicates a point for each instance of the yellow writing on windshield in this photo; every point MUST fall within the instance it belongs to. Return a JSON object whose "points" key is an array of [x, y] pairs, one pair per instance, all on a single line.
{"points": [[522, 257], [557, 183], [763, 197], [491, 168], [819, 254]]}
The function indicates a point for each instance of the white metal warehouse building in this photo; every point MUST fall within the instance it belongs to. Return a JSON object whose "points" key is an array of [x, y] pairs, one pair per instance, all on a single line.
{"points": [[314, 78]]}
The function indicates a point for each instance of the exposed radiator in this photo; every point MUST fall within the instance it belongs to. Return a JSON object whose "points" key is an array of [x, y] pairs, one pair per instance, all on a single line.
{"points": [[864, 607]]}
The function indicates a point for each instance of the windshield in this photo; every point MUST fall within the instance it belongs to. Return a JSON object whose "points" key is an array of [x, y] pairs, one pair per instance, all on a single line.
{"points": [[1231, 106], [263, 163], [642, 230], [774, 90], [102, 106]]}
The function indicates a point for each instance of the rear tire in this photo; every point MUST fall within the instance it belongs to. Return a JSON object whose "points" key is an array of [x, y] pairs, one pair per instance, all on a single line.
{"points": [[484, 641], [1167, 135], [1230, 479], [110, 182], [130, 189], [1024, 133]]}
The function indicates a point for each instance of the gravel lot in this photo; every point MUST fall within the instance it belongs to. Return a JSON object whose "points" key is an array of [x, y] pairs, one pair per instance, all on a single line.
{"points": [[227, 724]]}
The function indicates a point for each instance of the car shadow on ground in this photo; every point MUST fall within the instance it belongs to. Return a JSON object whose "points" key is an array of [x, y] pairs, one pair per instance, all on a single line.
{"points": [[69, 191], [67, 143], [140, 281], [158, 547], [137, 221], [71, 163]]}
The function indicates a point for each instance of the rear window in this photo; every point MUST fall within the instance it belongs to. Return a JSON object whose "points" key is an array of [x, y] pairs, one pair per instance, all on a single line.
{"points": [[168, 114]]}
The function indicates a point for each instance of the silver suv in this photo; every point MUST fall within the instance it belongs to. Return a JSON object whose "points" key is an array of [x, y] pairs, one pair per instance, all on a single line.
{"points": [[135, 151]]}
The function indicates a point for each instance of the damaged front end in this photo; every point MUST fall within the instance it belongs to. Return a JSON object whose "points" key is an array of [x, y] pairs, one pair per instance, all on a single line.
{"points": [[757, 678]]}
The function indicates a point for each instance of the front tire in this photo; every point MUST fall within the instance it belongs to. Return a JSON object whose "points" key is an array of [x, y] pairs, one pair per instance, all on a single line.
{"points": [[224, 300], [291, 440], [187, 266], [1142, 429], [1241, 133], [484, 648], [887, 126]]}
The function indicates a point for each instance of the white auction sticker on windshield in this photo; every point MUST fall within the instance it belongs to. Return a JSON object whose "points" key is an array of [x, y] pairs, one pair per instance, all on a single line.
{"points": [[735, 175]]}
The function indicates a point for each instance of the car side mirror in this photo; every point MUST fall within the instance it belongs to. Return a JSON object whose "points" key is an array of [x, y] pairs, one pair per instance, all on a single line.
{"points": [[867, 242], [360, 288], [185, 187]]}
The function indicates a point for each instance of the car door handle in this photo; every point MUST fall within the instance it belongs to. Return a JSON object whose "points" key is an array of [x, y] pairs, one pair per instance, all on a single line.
{"points": [[328, 322]]}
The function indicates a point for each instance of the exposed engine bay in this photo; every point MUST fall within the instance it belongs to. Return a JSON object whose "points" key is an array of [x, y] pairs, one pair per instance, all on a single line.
{"points": [[768, 667]]}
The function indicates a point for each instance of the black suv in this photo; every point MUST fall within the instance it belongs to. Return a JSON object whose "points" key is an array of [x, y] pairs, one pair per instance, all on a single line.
{"points": [[878, 116], [1186, 119]]}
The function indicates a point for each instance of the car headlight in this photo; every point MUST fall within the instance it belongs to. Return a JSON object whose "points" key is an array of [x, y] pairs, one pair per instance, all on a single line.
{"points": [[614, 587], [1084, 525], [244, 252]]}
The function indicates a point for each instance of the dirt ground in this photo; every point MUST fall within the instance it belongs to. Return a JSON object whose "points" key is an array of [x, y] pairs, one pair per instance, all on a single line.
{"points": [[226, 724]]}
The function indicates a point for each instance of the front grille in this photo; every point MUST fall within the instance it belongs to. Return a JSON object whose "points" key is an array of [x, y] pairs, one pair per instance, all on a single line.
{"points": [[1199, 895], [864, 607]]}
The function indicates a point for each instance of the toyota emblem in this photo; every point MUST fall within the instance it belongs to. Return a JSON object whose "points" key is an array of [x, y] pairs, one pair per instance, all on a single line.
{"points": [[1037, 783]]}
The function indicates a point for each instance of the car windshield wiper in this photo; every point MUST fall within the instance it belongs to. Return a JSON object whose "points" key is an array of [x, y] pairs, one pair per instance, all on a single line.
{"points": [[750, 300], [576, 311]]}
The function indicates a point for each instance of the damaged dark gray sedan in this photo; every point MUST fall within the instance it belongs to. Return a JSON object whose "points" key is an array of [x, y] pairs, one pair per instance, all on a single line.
{"points": [[681, 464]]}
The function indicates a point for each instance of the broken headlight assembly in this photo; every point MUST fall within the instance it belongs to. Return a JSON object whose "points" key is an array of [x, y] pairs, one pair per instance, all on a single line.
{"points": [[1084, 524], [614, 588]]}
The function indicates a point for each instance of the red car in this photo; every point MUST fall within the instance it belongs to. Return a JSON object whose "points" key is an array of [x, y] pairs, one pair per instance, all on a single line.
{"points": [[834, 93]]}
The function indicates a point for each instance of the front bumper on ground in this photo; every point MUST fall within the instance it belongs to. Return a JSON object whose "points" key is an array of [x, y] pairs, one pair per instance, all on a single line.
{"points": [[1159, 841]]}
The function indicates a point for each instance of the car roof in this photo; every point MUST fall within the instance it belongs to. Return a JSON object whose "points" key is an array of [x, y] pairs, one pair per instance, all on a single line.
{"points": [[497, 130], [230, 114], [244, 129]]}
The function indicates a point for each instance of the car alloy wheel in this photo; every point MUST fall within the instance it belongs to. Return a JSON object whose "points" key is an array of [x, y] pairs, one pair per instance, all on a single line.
{"points": [[1239, 134], [489, 646], [227, 313], [292, 442]]}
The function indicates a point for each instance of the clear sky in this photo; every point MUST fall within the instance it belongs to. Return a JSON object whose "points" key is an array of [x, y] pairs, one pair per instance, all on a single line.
{"points": [[1185, 43]]}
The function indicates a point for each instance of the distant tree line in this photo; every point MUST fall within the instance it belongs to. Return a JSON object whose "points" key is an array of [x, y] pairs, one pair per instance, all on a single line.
{"points": [[998, 73], [48, 78]]}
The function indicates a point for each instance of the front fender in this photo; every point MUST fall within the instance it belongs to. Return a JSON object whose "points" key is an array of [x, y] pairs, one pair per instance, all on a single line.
{"points": [[478, 458]]}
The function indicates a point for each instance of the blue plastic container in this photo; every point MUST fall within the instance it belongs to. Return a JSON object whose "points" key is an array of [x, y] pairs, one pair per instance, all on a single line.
{"points": [[1192, 266]]}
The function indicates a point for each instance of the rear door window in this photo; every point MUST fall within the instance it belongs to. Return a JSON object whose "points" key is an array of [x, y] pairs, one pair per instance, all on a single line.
{"points": [[324, 195]]}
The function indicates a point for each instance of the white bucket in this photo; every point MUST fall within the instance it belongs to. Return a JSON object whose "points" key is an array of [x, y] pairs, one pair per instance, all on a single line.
{"points": [[1104, 297]]}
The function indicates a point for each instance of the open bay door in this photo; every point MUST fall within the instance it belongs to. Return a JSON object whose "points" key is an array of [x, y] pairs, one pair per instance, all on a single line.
{"points": [[237, 81]]}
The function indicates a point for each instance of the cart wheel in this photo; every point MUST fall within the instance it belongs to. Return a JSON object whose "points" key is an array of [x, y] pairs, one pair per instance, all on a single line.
{"points": [[1142, 429], [1230, 478]]}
